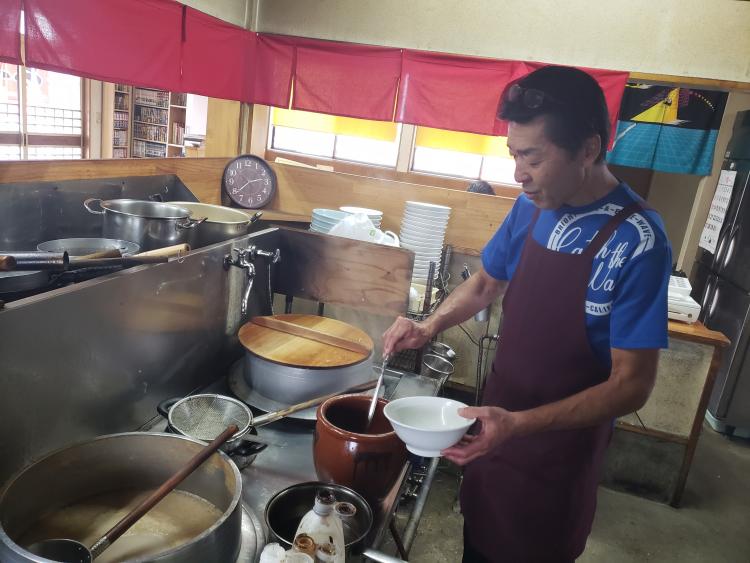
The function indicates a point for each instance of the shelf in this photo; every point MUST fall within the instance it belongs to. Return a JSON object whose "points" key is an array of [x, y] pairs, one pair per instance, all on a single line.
{"points": [[122, 110], [149, 140], [121, 92], [149, 123], [120, 128], [178, 107], [173, 145], [150, 105], [119, 146]]}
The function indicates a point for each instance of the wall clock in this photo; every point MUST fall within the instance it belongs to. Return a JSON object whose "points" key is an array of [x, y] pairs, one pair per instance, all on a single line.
{"points": [[249, 181]]}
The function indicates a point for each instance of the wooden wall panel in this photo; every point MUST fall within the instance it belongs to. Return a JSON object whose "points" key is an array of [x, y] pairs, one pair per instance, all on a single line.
{"points": [[335, 270], [474, 217], [222, 128], [201, 175]]}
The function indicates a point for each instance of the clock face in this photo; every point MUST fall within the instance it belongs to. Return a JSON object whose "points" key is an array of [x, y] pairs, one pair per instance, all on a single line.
{"points": [[249, 181]]}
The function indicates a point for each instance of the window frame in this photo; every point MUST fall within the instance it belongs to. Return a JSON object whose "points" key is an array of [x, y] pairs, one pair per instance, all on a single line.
{"points": [[259, 145], [25, 139]]}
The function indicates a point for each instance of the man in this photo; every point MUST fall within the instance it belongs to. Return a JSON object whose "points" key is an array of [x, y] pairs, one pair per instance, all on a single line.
{"points": [[583, 266]]}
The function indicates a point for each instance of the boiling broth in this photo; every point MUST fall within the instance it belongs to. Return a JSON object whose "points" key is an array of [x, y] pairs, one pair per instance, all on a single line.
{"points": [[177, 519]]}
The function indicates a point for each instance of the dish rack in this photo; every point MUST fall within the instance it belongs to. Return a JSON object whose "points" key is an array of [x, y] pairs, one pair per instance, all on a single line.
{"points": [[411, 360]]}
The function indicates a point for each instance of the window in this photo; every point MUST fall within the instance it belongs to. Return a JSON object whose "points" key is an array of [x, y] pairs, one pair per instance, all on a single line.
{"points": [[40, 116], [329, 136], [464, 155]]}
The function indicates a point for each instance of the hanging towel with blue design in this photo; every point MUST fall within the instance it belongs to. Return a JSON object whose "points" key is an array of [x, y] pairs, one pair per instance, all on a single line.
{"points": [[668, 129]]}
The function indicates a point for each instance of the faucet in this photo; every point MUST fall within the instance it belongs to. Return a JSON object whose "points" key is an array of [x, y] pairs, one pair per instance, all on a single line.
{"points": [[245, 258]]}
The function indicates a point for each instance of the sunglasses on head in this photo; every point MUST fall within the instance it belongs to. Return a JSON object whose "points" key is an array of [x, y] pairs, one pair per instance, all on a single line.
{"points": [[532, 98]]}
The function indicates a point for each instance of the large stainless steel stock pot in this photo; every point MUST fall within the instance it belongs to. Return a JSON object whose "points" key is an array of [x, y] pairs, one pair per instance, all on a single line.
{"points": [[123, 462], [150, 224], [222, 223]]}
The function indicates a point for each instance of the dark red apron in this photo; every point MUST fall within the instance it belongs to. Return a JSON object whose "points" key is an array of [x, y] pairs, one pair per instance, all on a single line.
{"points": [[532, 499]]}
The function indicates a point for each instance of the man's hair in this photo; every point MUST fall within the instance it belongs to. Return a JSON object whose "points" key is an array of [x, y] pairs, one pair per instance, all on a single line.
{"points": [[573, 105], [480, 187]]}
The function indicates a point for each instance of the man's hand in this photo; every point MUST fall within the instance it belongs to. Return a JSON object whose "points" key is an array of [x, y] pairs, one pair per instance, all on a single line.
{"points": [[405, 334], [497, 425]]}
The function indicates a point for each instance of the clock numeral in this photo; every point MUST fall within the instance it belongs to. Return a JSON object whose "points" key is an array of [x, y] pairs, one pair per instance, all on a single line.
{"points": [[232, 172], [258, 197], [266, 182], [265, 191], [230, 181], [247, 163], [236, 190]]}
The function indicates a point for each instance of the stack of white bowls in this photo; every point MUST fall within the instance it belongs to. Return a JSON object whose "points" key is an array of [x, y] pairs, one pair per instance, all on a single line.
{"points": [[373, 214], [323, 220], [423, 231]]}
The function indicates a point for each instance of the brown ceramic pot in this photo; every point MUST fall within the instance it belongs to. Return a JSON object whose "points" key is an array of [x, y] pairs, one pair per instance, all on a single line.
{"points": [[368, 463]]}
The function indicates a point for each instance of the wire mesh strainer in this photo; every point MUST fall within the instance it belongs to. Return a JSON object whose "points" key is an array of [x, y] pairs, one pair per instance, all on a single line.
{"points": [[204, 417]]}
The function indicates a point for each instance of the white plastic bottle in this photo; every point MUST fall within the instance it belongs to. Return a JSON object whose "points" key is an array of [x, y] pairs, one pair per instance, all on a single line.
{"points": [[323, 525]]}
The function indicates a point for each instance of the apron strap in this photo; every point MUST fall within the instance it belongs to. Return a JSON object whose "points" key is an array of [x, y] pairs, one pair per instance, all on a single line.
{"points": [[610, 227]]}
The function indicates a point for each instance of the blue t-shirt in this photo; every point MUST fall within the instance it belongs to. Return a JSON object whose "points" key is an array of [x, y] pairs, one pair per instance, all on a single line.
{"points": [[626, 303]]}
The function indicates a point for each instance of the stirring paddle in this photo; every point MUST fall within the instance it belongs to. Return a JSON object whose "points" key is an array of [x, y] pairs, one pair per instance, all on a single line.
{"points": [[71, 551]]}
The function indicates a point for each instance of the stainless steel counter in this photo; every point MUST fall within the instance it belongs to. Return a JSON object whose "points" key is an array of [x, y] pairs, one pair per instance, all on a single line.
{"points": [[288, 459]]}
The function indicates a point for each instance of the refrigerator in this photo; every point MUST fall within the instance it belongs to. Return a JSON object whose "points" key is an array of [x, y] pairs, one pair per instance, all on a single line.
{"points": [[721, 284]]}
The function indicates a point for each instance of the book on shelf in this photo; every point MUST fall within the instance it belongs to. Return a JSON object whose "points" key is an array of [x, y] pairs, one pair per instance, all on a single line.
{"points": [[178, 133]]}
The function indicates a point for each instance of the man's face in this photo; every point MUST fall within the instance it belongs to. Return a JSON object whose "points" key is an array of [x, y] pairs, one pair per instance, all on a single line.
{"points": [[550, 175]]}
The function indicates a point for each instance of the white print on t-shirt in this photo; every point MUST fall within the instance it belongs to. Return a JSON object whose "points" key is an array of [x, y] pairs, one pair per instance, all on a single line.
{"points": [[570, 235]]}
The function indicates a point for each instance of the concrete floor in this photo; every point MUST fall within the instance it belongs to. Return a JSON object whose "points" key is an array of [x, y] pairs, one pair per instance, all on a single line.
{"points": [[711, 526]]}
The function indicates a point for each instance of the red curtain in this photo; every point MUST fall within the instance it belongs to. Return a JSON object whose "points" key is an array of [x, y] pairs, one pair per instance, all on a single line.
{"points": [[217, 58], [451, 92], [346, 79], [274, 66], [136, 42], [10, 37], [612, 82]]}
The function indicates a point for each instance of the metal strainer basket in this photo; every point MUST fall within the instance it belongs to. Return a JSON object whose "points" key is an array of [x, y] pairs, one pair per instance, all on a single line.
{"points": [[204, 417]]}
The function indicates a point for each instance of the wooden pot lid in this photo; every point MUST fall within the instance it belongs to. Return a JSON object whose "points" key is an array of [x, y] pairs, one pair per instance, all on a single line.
{"points": [[306, 341]]}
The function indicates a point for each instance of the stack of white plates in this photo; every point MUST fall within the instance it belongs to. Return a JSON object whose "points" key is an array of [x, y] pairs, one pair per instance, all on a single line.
{"points": [[423, 231], [374, 215], [323, 220]]}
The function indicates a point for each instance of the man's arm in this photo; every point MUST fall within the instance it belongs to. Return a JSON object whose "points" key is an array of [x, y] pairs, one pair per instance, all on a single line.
{"points": [[467, 299], [627, 389]]}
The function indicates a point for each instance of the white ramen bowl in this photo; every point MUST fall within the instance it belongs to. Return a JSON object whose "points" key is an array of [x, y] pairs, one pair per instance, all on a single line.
{"points": [[427, 425]]}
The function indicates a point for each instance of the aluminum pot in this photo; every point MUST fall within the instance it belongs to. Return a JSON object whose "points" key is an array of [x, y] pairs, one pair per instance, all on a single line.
{"points": [[149, 224], [120, 461], [289, 385], [222, 223]]}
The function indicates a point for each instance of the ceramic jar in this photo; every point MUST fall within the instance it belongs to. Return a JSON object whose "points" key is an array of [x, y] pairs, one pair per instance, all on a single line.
{"points": [[368, 463]]}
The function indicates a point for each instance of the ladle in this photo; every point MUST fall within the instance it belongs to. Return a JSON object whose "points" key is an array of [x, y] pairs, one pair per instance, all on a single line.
{"points": [[371, 410], [71, 551]]}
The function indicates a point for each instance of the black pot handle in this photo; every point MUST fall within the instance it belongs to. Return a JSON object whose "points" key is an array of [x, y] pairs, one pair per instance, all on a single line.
{"points": [[156, 197], [247, 448], [166, 405]]}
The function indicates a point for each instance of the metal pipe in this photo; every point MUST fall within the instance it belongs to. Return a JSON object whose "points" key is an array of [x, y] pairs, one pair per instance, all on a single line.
{"points": [[55, 261], [410, 531]]}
